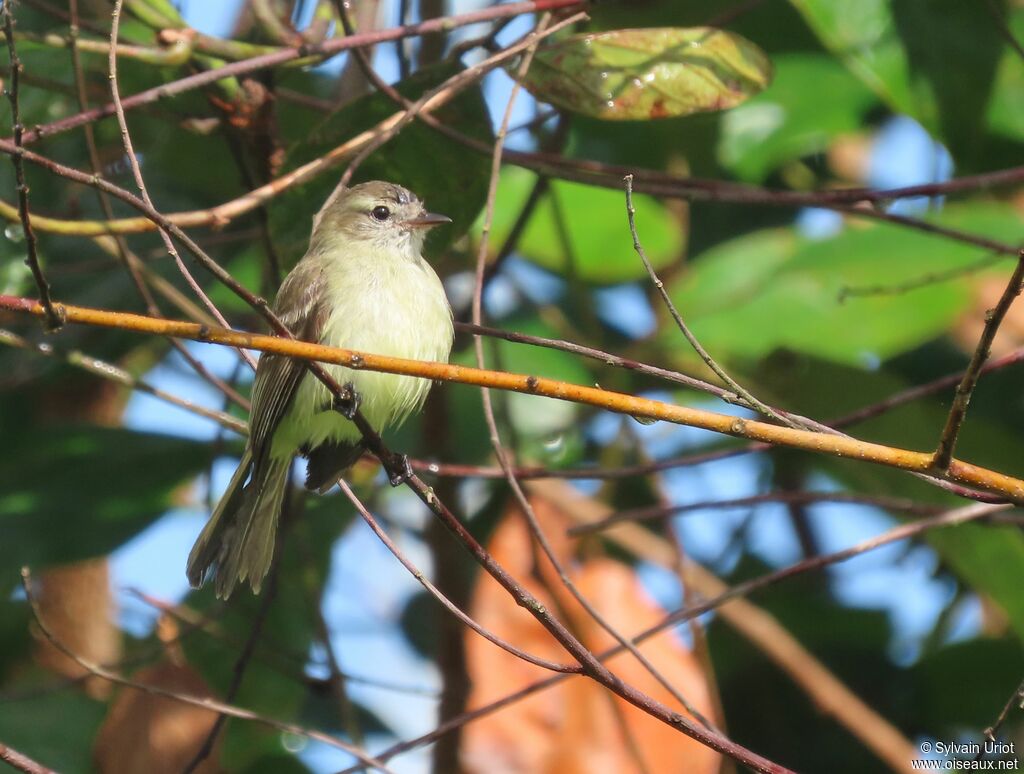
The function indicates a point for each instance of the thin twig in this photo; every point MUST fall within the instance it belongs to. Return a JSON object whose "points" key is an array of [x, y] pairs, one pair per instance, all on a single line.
{"points": [[505, 459], [826, 692], [20, 761], [431, 589], [922, 281], [743, 396], [239, 668], [964, 390], [902, 532], [951, 518], [131, 263], [52, 320], [224, 213], [117, 374], [1016, 700], [426, 101], [275, 58], [802, 498], [141, 183], [1004, 28], [195, 701]]}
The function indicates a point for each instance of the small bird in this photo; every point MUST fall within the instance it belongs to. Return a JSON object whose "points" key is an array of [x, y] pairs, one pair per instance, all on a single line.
{"points": [[363, 284]]}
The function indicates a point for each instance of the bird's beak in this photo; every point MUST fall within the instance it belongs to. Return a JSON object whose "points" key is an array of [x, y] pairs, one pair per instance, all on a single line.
{"points": [[427, 220]]}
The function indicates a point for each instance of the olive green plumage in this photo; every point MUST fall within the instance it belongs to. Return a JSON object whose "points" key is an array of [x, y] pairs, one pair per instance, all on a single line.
{"points": [[364, 285]]}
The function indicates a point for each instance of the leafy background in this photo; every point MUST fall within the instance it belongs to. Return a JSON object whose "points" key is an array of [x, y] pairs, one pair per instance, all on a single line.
{"points": [[875, 93]]}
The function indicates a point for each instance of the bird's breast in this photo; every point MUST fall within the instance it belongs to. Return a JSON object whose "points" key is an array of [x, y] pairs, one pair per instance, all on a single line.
{"points": [[386, 307]]}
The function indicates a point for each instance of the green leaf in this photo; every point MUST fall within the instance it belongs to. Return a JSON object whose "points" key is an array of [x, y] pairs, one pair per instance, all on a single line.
{"points": [[77, 492], [790, 119], [771, 289], [595, 244], [641, 74], [449, 177], [27, 725], [1006, 108], [932, 59]]}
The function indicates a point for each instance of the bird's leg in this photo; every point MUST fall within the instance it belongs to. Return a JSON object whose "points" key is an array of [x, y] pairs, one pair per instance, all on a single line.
{"points": [[399, 469], [347, 404]]}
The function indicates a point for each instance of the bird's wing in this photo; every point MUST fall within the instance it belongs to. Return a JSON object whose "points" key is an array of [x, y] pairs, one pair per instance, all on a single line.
{"points": [[301, 308]]}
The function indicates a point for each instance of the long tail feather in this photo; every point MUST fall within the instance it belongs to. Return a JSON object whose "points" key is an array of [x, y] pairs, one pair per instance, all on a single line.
{"points": [[251, 550], [207, 549], [238, 542]]}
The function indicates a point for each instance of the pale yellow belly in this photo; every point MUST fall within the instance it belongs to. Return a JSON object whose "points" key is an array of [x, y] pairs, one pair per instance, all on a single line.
{"points": [[401, 313]]}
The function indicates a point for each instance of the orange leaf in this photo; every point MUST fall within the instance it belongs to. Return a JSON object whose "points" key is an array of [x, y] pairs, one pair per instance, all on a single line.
{"points": [[577, 726]]}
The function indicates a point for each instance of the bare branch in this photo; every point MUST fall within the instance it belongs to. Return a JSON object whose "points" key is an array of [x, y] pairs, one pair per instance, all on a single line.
{"points": [[743, 396], [52, 320], [960, 473], [22, 762], [195, 701], [275, 58], [993, 319]]}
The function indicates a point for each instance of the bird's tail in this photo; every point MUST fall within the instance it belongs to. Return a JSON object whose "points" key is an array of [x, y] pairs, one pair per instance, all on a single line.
{"points": [[237, 544]]}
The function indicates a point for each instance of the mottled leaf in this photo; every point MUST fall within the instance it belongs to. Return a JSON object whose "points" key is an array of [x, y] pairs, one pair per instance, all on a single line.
{"points": [[629, 75]]}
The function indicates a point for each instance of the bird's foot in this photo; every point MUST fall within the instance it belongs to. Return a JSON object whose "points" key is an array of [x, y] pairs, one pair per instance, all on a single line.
{"points": [[399, 469], [348, 403]]}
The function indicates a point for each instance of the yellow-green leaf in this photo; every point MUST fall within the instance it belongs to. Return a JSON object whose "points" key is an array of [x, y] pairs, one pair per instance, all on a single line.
{"points": [[662, 72]]}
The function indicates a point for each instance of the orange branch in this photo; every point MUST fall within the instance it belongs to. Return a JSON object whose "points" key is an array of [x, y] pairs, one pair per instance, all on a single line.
{"points": [[838, 446]]}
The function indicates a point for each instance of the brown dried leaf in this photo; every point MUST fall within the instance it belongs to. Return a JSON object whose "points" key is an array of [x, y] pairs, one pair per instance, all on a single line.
{"points": [[154, 734], [578, 725], [76, 605], [986, 293]]}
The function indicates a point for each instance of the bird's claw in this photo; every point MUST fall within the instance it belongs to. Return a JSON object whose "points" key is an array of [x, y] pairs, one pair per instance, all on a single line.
{"points": [[348, 405], [399, 470]]}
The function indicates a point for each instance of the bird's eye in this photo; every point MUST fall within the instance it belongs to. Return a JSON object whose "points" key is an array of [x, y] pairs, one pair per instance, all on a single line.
{"points": [[380, 213]]}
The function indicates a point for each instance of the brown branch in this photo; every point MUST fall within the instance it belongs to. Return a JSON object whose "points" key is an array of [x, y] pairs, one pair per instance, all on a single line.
{"points": [[133, 162], [52, 320], [836, 699], [968, 513], [505, 460], [388, 128], [858, 415], [1004, 28], [742, 394], [921, 281], [958, 472], [195, 701], [116, 243], [590, 665], [800, 498], [1016, 700], [224, 213], [993, 319], [22, 762], [826, 691], [265, 61], [696, 189], [435, 592]]}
